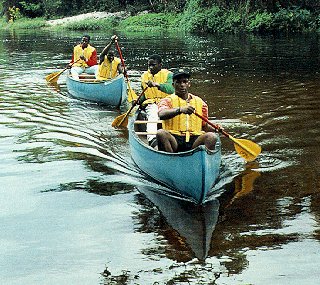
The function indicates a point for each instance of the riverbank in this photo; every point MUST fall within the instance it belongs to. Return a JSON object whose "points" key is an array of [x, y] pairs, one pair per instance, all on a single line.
{"points": [[208, 21], [86, 16]]}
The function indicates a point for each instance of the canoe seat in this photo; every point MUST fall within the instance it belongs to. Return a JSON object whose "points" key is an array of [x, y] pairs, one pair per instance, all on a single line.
{"points": [[85, 75], [147, 122]]}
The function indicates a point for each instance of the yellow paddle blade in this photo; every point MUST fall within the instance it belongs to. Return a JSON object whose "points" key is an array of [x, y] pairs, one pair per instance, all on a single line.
{"points": [[53, 77], [246, 149], [131, 94], [121, 121]]}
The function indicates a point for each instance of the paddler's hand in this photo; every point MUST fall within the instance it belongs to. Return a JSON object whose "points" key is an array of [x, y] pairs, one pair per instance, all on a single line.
{"points": [[82, 57], [114, 38], [188, 110], [219, 128], [153, 84], [135, 102]]}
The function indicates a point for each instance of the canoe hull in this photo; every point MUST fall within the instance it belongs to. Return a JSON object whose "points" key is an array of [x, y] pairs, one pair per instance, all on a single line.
{"points": [[112, 92], [191, 173]]}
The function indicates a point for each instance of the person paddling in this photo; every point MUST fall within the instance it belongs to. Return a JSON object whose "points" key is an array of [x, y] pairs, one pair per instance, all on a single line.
{"points": [[181, 129], [109, 65], [84, 59], [159, 82]]}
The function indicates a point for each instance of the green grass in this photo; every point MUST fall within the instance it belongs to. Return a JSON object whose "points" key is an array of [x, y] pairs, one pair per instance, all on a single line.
{"points": [[24, 23], [91, 24]]}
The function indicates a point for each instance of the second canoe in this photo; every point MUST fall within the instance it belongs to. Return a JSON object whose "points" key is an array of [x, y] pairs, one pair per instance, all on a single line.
{"points": [[111, 92]]}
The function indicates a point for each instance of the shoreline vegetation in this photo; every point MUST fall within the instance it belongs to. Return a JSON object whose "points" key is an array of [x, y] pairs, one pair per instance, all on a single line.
{"points": [[194, 19]]}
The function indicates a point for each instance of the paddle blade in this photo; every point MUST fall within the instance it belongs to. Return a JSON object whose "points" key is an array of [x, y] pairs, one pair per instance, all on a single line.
{"points": [[131, 94], [121, 121], [53, 77], [246, 149]]}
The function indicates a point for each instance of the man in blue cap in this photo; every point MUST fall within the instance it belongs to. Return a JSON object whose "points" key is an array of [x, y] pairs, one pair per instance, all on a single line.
{"points": [[181, 129]]}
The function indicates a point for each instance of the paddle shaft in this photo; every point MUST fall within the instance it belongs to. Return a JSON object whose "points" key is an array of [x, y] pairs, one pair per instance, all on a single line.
{"points": [[213, 125], [137, 100], [236, 141], [63, 70], [122, 60]]}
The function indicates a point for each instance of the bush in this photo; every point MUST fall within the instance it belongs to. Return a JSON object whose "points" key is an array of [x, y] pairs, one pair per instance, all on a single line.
{"points": [[92, 24], [150, 21], [293, 20], [31, 10], [260, 22]]}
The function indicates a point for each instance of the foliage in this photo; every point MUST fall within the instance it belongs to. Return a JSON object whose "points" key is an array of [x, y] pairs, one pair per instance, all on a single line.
{"points": [[194, 17], [260, 22], [92, 24], [198, 16], [52, 7], [293, 19], [14, 14], [31, 10], [150, 21]]}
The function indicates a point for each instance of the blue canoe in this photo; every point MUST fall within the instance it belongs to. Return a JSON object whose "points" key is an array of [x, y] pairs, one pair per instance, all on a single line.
{"points": [[191, 173], [111, 92]]}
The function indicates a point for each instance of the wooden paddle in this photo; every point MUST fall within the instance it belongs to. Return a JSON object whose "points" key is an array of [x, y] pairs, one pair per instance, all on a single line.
{"points": [[131, 94], [245, 148], [122, 120], [53, 77]]}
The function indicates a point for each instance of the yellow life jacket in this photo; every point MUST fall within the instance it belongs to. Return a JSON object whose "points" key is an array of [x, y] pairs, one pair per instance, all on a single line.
{"points": [[78, 51], [183, 124], [107, 69], [154, 95]]}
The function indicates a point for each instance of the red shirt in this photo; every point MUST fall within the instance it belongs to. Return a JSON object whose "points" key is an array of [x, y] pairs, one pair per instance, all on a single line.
{"points": [[91, 61]]}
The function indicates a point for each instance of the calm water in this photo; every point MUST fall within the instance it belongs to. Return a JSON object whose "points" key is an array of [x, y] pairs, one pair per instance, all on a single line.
{"points": [[72, 208]]}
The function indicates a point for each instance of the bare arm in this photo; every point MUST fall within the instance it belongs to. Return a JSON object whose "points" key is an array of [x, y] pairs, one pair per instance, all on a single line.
{"points": [[170, 113], [107, 48]]}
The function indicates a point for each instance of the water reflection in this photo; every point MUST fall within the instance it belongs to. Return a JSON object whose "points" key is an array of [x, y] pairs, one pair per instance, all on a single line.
{"points": [[189, 225], [185, 230]]}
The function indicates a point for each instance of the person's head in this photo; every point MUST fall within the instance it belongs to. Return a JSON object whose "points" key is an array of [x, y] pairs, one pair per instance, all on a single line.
{"points": [[110, 55], [154, 64], [181, 83], [85, 41]]}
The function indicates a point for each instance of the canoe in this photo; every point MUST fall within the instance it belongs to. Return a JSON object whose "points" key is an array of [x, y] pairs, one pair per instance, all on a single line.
{"points": [[191, 174], [194, 223], [111, 92]]}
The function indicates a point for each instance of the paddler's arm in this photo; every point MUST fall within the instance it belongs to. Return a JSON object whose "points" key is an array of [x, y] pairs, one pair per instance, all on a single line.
{"points": [[107, 48], [168, 113], [165, 87]]}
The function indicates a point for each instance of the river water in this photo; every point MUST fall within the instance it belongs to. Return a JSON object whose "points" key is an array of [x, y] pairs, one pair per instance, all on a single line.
{"points": [[76, 210]]}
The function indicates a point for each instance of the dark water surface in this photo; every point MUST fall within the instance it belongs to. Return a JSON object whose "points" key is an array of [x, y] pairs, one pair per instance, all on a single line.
{"points": [[72, 208]]}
